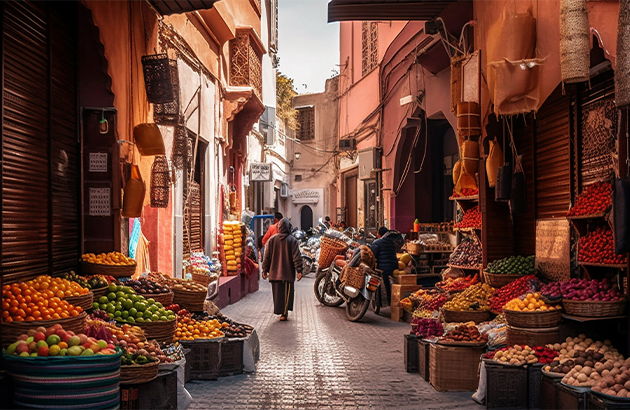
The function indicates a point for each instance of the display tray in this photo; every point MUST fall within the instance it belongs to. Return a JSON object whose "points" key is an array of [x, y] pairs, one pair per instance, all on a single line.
{"points": [[553, 375], [589, 319], [214, 339], [469, 229], [464, 198], [594, 308], [478, 267], [611, 398], [117, 271], [576, 388], [592, 216], [604, 265], [462, 344]]}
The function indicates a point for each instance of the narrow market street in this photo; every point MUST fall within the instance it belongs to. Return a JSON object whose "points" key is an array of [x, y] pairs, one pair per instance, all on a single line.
{"points": [[319, 360]]}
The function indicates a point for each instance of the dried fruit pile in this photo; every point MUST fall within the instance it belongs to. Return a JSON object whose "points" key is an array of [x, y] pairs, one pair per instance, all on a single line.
{"points": [[599, 247], [426, 327], [467, 254], [465, 333], [146, 287], [474, 298], [595, 199]]}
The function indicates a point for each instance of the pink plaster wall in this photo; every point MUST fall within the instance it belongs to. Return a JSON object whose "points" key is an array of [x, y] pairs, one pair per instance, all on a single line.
{"points": [[157, 227]]}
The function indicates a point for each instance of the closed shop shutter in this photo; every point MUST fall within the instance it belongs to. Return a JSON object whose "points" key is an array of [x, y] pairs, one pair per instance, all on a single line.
{"points": [[39, 186]]}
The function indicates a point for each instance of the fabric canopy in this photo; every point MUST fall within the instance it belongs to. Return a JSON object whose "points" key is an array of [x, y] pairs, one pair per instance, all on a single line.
{"points": [[344, 10], [168, 7]]}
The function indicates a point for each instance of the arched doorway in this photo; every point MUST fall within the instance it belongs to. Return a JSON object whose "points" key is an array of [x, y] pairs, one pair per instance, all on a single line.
{"points": [[306, 218]]}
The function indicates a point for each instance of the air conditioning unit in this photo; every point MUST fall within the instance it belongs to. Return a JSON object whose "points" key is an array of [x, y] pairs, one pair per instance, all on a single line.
{"points": [[369, 162], [267, 125], [348, 144], [284, 190]]}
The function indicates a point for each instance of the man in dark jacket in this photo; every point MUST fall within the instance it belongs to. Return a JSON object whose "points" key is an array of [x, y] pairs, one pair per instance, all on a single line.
{"points": [[281, 262], [384, 250]]}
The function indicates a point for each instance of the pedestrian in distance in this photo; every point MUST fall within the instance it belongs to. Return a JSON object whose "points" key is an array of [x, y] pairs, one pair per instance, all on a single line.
{"points": [[273, 229], [384, 250], [281, 262]]}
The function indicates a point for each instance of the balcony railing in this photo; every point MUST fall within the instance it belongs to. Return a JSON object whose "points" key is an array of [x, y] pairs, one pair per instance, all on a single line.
{"points": [[246, 62]]}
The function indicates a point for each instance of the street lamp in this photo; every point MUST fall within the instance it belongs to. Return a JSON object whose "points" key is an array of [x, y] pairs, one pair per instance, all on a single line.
{"points": [[297, 155]]}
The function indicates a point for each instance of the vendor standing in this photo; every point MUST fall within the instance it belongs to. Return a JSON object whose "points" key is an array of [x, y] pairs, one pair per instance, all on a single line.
{"points": [[384, 250], [281, 262]]}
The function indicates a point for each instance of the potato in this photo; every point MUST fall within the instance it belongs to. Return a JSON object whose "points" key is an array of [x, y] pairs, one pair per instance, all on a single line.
{"points": [[557, 346], [582, 377], [588, 363], [588, 341], [577, 368], [617, 387], [587, 370], [605, 372], [566, 369]]}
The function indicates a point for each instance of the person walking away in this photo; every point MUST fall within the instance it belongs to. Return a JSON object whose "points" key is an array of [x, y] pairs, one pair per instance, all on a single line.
{"points": [[281, 261], [273, 229], [384, 250]]}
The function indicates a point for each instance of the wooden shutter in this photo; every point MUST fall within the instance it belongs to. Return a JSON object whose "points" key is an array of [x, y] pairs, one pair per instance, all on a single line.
{"points": [[39, 150]]}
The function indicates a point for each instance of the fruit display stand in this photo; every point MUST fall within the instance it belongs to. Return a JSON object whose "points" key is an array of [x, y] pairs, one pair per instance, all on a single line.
{"points": [[113, 264], [11, 331]]}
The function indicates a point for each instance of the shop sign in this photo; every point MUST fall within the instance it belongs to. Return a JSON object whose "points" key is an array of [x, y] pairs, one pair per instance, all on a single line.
{"points": [[98, 162], [260, 172], [553, 247], [306, 196], [100, 202]]}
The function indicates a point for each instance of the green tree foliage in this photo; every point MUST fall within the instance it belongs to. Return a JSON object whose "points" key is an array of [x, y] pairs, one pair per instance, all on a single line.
{"points": [[284, 100]]}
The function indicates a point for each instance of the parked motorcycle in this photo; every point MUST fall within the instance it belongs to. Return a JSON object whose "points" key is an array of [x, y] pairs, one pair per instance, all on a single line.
{"points": [[331, 291]]}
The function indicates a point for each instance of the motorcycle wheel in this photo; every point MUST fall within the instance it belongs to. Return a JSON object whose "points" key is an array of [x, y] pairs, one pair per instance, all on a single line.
{"points": [[376, 301], [324, 291], [356, 308]]}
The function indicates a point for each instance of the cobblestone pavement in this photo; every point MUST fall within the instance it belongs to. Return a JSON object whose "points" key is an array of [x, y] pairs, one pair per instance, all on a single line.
{"points": [[320, 360]]}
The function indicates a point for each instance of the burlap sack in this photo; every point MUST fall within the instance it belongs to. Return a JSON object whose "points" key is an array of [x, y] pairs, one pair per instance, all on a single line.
{"points": [[516, 89], [457, 170], [493, 162], [465, 181], [575, 47], [470, 157]]}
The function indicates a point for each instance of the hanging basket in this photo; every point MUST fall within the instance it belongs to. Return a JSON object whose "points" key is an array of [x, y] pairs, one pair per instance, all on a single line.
{"points": [[160, 182], [574, 41], [504, 183], [168, 112], [157, 78], [182, 147], [468, 120], [470, 157], [148, 139], [622, 71]]}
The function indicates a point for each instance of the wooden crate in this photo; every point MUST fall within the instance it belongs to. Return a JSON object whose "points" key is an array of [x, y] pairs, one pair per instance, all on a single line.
{"points": [[405, 279], [396, 313], [454, 368], [410, 355], [569, 399], [548, 393], [423, 359]]}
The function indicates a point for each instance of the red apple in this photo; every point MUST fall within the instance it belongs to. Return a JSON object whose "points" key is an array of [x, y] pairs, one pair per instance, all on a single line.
{"points": [[50, 331], [83, 338], [22, 348], [42, 351], [31, 332], [111, 346], [87, 345], [61, 333], [41, 329], [93, 340], [23, 337], [66, 337], [70, 332], [57, 326], [39, 336], [32, 347]]}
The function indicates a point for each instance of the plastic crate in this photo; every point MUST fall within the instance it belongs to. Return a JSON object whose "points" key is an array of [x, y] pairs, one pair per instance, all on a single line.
{"points": [[594, 402], [410, 354], [423, 359], [204, 359], [548, 394], [569, 399], [158, 394], [506, 387], [534, 382], [231, 357]]}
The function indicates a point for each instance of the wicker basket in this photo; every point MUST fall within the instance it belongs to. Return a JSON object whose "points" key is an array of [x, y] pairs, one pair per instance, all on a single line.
{"points": [[157, 78], [139, 373], [498, 280], [193, 301], [98, 292], [11, 331], [574, 41], [329, 249], [536, 319], [117, 271], [476, 316], [84, 301], [354, 277], [454, 368], [164, 298], [201, 278], [532, 337], [162, 331], [414, 248], [593, 308]]}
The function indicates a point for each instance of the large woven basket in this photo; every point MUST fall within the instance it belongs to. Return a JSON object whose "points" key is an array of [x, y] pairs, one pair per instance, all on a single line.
{"points": [[593, 308], [164, 298], [330, 248], [537, 319], [499, 280], [414, 248], [11, 331], [117, 271], [354, 277], [98, 292], [162, 331], [476, 316], [201, 278], [193, 301], [85, 301], [138, 373], [532, 337], [574, 41]]}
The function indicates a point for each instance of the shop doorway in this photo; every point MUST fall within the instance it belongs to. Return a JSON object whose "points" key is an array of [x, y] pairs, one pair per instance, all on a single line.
{"points": [[371, 205], [351, 199], [306, 218]]}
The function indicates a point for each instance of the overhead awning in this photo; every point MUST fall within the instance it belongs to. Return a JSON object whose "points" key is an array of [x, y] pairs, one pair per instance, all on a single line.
{"points": [[168, 7], [345, 10]]}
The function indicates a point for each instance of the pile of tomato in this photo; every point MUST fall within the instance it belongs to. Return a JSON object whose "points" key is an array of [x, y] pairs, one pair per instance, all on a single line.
{"points": [[598, 246], [595, 199]]}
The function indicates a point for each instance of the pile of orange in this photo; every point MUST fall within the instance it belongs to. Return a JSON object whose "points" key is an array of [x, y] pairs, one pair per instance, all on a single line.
{"points": [[111, 258], [62, 288], [22, 303], [190, 329]]}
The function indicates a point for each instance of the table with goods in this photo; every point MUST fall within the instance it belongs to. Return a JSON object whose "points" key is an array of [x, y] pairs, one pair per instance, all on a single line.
{"points": [[135, 336]]}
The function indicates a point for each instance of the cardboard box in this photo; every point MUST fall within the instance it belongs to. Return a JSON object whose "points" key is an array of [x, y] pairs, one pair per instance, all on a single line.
{"points": [[400, 292], [405, 279], [396, 313]]}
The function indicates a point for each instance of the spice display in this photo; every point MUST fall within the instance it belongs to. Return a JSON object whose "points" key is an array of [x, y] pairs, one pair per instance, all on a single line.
{"points": [[55, 341], [599, 247], [176, 283], [471, 219], [426, 327], [595, 199], [22, 302], [458, 284], [584, 289], [111, 258], [474, 298], [465, 333], [514, 265], [511, 291], [530, 303], [467, 254]]}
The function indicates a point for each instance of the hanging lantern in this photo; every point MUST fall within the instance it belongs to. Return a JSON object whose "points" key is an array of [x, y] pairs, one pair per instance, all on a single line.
{"points": [[622, 71], [503, 189], [133, 196], [160, 182], [180, 147], [157, 78], [575, 46]]}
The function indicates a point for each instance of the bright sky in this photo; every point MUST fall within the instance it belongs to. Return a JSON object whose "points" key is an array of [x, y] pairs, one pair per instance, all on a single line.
{"points": [[308, 45]]}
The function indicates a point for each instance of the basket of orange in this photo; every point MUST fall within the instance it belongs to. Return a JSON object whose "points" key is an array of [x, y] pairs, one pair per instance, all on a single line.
{"points": [[65, 289], [113, 264], [532, 312], [24, 307], [189, 329]]}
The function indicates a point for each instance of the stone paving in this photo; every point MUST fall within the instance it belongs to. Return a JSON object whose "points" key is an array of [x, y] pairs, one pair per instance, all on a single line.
{"points": [[320, 360]]}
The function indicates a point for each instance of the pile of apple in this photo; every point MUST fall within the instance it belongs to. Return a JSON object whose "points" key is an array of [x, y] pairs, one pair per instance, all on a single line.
{"points": [[55, 341]]}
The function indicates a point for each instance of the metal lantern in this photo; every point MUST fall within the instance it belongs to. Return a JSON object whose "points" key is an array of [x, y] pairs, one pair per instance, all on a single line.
{"points": [[160, 182]]}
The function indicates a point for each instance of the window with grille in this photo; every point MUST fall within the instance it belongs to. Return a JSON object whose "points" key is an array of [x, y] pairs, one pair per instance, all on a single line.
{"points": [[306, 118], [246, 62], [273, 31], [369, 46]]}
